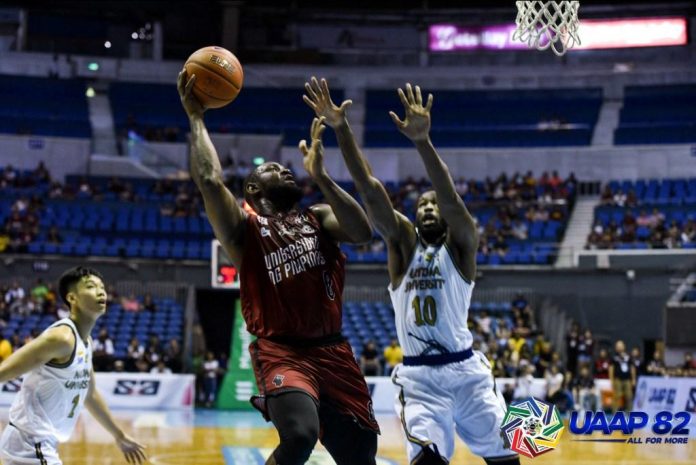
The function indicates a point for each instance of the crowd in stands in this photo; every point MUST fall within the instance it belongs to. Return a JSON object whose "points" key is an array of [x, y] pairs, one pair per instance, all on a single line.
{"points": [[510, 210], [635, 223]]}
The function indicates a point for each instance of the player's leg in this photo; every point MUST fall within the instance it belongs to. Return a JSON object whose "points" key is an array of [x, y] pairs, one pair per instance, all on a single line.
{"points": [[296, 417], [479, 410], [345, 439], [289, 398], [424, 408]]}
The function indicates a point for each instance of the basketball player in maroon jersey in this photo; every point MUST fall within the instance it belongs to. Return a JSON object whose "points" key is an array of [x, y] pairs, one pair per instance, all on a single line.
{"points": [[291, 279]]}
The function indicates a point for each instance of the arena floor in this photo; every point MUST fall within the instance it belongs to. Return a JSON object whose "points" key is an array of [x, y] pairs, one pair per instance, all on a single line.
{"points": [[207, 437]]}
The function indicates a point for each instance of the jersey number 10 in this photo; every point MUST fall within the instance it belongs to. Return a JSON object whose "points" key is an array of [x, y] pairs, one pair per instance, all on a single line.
{"points": [[426, 314]]}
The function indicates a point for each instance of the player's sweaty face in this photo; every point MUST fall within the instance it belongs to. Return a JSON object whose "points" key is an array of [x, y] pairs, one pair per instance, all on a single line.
{"points": [[274, 174], [428, 212], [91, 294]]}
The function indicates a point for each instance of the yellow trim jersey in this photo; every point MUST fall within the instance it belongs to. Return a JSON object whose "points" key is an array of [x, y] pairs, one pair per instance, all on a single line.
{"points": [[431, 304]]}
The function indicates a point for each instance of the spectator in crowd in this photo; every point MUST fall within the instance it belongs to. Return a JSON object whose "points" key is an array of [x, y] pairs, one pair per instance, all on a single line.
{"points": [[119, 366], [523, 385], [211, 367], [656, 367], [602, 363], [554, 383], [161, 368], [14, 293], [637, 361], [131, 303], [172, 356], [39, 291], [393, 355], [103, 352], [572, 342], [622, 374], [369, 360], [689, 363], [152, 355], [586, 347], [508, 393], [149, 304], [53, 236], [484, 322], [135, 352], [584, 391]]}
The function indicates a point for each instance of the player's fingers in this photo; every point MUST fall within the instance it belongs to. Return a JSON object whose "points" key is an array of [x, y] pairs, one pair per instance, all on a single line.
{"points": [[189, 85], [310, 91], [319, 132], [396, 119], [126, 454], [409, 93], [309, 102], [325, 88], [180, 79], [345, 105], [419, 98], [429, 105], [403, 98], [303, 147], [317, 128], [315, 85], [313, 126]]}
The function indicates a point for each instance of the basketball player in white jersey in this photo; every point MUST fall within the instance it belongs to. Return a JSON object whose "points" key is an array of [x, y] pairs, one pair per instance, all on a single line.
{"points": [[58, 380], [444, 386]]}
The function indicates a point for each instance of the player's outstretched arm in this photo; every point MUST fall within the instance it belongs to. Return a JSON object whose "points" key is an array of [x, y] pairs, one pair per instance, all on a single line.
{"points": [[394, 227], [342, 218], [134, 452], [416, 126], [53, 344], [224, 213]]}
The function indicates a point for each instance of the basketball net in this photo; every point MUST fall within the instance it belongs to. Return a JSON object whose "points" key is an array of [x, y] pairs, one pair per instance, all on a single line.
{"points": [[544, 25]]}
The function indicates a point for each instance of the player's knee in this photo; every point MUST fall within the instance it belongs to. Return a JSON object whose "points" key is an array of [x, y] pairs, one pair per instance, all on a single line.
{"points": [[297, 443], [429, 456], [511, 460]]}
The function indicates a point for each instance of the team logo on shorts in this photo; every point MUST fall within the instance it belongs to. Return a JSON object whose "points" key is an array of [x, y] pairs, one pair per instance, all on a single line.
{"points": [[532, 427], [278, 380]]}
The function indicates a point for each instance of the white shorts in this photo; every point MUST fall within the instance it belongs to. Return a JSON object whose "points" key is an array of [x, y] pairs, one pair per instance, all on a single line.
{"points": [[17, 448], [434, 401]]}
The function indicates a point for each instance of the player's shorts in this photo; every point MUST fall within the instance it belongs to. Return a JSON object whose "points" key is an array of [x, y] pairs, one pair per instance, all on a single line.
{"points": [[434, 401], [17, 448], [326, 370]]}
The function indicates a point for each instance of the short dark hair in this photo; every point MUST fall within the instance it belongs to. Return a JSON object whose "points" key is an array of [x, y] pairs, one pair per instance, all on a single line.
{"points": [[73, 276]]}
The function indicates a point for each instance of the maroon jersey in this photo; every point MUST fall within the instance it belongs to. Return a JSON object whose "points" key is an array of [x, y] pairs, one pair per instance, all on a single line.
{"points": [[292, 277]]}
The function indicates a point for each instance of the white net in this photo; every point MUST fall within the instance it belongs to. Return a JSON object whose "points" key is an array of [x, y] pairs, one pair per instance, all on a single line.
{"points": [[544, 25]]}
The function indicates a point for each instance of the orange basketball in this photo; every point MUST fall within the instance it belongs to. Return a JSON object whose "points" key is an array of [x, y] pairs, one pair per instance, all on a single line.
{"points": [[219, 76]]}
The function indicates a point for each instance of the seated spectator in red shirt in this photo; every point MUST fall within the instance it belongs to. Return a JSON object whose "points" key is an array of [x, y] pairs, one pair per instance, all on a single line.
{"points": [[601, 365], [130, 303]]}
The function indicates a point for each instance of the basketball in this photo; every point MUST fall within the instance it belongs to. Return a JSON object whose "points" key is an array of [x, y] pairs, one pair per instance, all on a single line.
{"points": [[219, 76]]}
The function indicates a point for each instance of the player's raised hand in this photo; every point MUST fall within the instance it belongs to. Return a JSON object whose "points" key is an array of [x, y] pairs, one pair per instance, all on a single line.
{"points": [[134, 452], [184, 85], [313, 156], [416, 123], [319, 99]]}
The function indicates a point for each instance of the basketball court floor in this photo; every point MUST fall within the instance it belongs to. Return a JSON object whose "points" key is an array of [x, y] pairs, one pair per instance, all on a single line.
{"points": [[206, 437]]}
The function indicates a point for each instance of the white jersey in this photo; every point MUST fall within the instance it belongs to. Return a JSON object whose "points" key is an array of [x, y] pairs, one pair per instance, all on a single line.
{"points": [[52, 396], [432, 304]]}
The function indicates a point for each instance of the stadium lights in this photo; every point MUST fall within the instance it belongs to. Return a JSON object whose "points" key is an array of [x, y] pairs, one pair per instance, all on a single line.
{"points": [[93, 66], [107, 44]]}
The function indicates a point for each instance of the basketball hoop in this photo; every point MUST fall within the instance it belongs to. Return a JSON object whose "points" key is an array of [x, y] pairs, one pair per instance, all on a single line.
{"points": [[548, 24]]}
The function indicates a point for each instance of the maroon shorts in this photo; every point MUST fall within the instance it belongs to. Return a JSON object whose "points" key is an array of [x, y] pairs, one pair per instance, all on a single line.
{"points": [[328, 373]]}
